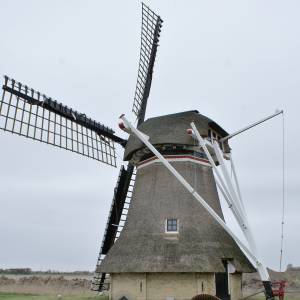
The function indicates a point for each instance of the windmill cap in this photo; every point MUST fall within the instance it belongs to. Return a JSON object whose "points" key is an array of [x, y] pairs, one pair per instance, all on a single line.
{"points": [[172, 129]]}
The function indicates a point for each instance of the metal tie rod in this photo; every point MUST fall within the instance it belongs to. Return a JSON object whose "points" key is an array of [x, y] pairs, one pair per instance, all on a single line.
{"points": [[250, 126]]}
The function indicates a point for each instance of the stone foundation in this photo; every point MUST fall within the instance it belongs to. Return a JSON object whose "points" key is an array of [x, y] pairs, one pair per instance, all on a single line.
{"points": [[160, 286]]}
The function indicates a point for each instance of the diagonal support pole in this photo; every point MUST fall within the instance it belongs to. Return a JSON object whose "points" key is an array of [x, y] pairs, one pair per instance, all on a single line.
{"points": [[251, 126], [236, 182], [223, 188], [225, 172], [235, 206]]}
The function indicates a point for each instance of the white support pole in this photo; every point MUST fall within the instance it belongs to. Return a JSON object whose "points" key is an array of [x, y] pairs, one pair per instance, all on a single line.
{"points": [[219, 181], [223, 193], [228, 196], [238, 202], [230, 206], [238, 194], [237, 183], [232, 191], [233, 202], [250, 126], [203, 144], [245, 249], [246, 229], [221, 185], [236, 208]]}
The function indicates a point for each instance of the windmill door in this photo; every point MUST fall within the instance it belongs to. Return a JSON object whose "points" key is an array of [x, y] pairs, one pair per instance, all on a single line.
{"points": [[222, 286]]}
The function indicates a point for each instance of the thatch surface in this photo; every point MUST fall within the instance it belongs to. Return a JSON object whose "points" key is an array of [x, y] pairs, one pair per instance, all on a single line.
{"points": [[171, 129], [201, 244]]}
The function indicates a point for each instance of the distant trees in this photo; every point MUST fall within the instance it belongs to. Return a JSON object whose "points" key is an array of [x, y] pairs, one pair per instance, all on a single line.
{"points": [[28, 271], [16, 271], [290, 267]]}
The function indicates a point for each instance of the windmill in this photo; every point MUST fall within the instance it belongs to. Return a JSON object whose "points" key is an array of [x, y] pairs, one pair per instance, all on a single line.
{"points": [[159, 242]]}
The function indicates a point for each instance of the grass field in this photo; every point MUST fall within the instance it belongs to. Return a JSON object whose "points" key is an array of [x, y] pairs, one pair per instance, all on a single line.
{"points": [[15, 296]]}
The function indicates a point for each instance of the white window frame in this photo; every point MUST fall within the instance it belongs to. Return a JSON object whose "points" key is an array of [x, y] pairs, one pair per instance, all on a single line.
{"points": [[166, 226]]}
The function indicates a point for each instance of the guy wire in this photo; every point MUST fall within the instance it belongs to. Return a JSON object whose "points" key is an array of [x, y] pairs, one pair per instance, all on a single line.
{"points": [[283, 193]]}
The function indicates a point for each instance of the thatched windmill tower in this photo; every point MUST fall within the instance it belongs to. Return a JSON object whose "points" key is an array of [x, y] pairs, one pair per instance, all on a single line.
{"points": [[170, 246]]}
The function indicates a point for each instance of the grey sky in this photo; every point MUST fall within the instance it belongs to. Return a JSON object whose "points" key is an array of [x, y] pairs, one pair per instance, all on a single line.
{"points": [[234, 61]]}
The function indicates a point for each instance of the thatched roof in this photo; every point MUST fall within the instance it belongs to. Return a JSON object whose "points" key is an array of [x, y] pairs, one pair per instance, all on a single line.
{"points": [[201, 244], [171, 129]]}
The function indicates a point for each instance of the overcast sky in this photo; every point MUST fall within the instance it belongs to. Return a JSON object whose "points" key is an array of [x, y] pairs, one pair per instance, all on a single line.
{"points": [[234, 61]]}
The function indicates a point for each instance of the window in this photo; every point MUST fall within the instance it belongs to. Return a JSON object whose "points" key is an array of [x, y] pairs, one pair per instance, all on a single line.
{"points": [[172, 225], [213, 134]]}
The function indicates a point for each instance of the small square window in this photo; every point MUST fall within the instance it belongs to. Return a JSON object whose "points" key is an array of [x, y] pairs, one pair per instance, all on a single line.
{"points": [[171, 225]]}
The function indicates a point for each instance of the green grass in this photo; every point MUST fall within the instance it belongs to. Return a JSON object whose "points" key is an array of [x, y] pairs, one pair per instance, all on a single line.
{"points": [[16, 296]]}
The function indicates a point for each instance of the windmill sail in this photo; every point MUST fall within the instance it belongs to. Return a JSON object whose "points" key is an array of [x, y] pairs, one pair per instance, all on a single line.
{"points": [[151, 27], [28, 113], [116, 221]]}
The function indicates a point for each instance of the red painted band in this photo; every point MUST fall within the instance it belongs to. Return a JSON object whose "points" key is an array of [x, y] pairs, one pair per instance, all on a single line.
{"points": [[174, 157]]}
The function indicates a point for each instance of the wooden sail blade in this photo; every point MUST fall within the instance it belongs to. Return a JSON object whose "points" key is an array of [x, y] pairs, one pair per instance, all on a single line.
{"points": [[28, 113], [151, 28]]}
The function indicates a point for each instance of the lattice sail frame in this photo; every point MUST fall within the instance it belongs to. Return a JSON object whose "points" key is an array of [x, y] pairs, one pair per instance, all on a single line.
{"points": [[28, 113], [151, 28]]}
